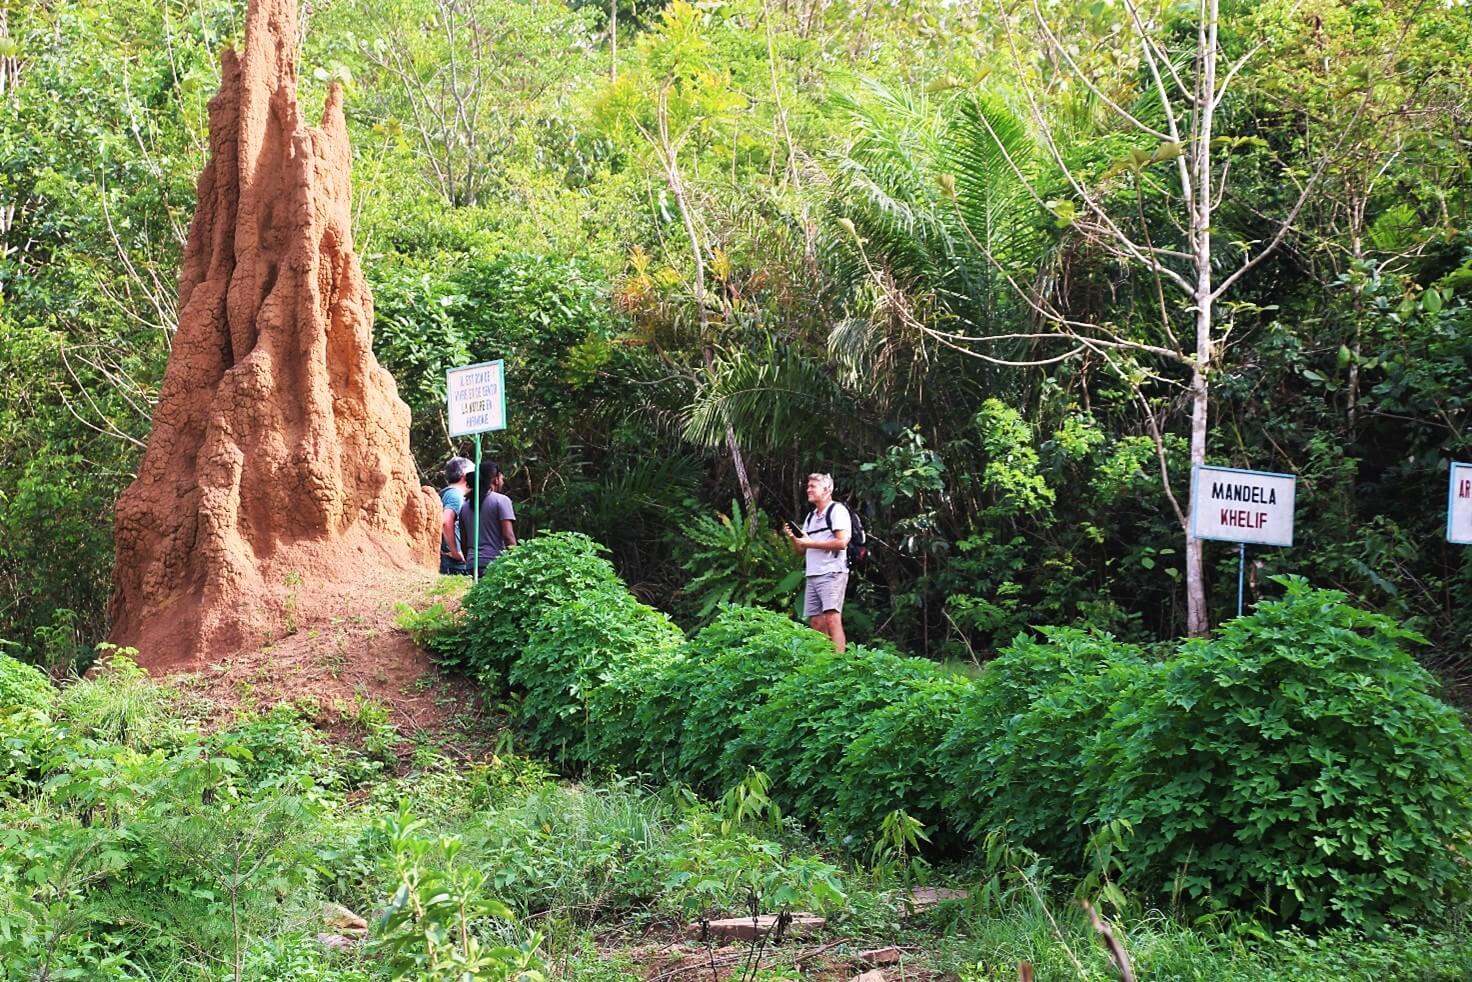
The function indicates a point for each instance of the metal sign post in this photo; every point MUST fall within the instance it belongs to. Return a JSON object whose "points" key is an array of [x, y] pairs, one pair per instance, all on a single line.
{"points": [[475, 400], [1242, 506], [475, 557]]}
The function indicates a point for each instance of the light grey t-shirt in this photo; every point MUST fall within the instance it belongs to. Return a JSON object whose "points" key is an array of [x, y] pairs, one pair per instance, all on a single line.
{"points": [[815, 526]]}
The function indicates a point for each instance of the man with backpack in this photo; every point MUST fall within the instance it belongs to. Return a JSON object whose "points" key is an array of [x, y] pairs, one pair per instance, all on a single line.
{"points": [[826, 534]]}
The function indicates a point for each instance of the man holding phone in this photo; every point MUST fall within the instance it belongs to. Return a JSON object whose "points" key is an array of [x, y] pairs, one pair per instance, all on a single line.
{"points": [[824, 546]]}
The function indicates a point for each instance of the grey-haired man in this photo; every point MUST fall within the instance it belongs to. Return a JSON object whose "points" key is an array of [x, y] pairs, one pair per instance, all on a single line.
{"points": [[456, 491], [824, 546]]}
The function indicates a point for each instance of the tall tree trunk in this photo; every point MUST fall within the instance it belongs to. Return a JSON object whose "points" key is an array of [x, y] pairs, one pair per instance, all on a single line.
{"points": [[1198, 620]]}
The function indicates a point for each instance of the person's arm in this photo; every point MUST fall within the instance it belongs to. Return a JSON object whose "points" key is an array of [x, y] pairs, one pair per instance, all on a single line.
{"points": [[838, 543], [507, 516], [447, 529]]}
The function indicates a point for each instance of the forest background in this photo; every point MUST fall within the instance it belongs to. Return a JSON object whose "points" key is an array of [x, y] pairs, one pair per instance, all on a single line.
{"points": [[929, 247]]}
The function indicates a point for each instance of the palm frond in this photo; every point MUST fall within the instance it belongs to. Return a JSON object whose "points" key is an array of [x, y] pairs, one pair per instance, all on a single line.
{"points": [[772, 398], [986, 147]]}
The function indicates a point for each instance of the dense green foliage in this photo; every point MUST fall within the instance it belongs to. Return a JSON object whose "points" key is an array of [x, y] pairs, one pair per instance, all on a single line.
{"points": [[730, 665], [183, 856], [22, 685], [503, 608], [1299, 754], [1044, 703], [576, 649], [775, 230], [1296, 762], [799, 732], [892, 763]]}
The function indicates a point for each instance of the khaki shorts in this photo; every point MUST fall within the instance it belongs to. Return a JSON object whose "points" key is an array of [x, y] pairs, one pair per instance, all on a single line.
{"points": [[825, 593]]}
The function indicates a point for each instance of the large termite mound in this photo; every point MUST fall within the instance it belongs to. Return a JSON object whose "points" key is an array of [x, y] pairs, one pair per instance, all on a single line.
{"points": [[278, 464]]}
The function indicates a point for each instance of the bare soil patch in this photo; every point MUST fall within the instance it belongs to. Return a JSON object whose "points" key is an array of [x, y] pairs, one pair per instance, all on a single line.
{"points": [[342, 654]]}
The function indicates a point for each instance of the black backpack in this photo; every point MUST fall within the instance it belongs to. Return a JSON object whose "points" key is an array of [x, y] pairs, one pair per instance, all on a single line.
{"points": [[858, 539]]}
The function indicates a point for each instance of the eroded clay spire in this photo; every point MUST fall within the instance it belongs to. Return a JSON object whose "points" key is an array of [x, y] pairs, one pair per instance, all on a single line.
{"points": [[279, 463]]}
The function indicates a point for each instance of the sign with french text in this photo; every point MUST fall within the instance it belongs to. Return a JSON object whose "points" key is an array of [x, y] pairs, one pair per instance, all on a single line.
{"points": [[475, 397], [1232, 505], [1459, 505]]}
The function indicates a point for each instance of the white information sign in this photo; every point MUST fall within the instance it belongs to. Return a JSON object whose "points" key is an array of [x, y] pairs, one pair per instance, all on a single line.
{"points": [[1233, 505], [1459, 505], [476, 398]]}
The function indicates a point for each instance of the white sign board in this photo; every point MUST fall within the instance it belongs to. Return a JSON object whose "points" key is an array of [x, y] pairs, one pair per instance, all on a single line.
{"points": [[1233, 505], [1459, 505], [476, 398]]}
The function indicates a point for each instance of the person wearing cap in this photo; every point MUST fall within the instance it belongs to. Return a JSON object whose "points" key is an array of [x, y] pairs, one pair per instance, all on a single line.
{"points": [[453, 497]]}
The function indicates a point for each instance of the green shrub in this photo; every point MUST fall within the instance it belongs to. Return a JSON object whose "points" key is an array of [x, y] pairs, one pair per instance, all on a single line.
{"points": [[23, 685], [615, 737], [659, 715], [1295, 764], [432, 927], [575, 648], [799, 735], [892, 764], [524, 583], [710, 870], [1016, 750], [733, 559], [119, 703], [276, 745], [689, 717], [28, 740]]}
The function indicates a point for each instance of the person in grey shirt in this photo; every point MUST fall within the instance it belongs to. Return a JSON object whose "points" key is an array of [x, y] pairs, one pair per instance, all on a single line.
{"points": [[824, 547], [497, 518]]}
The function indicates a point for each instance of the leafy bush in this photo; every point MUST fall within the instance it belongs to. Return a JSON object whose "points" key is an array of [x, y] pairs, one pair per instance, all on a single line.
{"points": [[23, 685], [430, 928], [689, 716], [892, 763], [733, 559], [615, 738], [1016, 750], [1295, 764], [28, 739], [574, 649], [521, 586], [711, 871], [276, 745], [800, 733]]}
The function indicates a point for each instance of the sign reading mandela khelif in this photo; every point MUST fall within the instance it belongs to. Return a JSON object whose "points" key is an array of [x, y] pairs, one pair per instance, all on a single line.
{"points": [[1233, 505]]}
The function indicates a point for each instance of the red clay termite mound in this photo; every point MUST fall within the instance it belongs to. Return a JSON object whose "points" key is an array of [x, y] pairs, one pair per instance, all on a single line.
{"points": [[278, 466]]}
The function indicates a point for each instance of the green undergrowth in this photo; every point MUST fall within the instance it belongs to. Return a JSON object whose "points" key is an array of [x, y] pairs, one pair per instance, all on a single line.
{"points": [[1296, 769], [138, 847]]}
